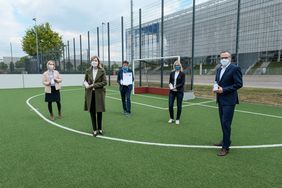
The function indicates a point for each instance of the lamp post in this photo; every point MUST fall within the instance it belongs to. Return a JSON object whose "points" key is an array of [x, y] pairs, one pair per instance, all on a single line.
{"points": [[103, 41], [34, 19]]}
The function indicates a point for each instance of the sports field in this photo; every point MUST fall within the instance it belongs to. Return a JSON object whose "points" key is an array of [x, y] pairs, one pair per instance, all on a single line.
{"points": [[142, 150]]}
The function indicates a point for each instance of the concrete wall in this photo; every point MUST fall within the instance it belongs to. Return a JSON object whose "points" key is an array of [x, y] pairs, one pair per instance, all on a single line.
{"points": [[35, 80]]}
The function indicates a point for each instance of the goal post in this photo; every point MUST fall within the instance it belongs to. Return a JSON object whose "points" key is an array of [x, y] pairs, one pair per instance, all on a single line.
{"points": [[152, 74]]}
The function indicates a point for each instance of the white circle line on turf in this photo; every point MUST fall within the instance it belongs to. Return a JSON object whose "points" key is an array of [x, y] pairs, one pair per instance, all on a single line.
{"points": [[140, 142]]}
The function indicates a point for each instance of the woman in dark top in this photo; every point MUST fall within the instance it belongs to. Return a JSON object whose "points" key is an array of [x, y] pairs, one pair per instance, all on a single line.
{"points": [[176, 86]]}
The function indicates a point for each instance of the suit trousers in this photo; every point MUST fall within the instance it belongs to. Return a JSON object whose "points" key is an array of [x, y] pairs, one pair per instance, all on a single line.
{"points": [[95, 119], [179, 97], [226, 115]]}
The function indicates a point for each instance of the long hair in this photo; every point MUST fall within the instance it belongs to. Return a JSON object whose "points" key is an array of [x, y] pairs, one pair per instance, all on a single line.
{"points": [[177, 63]]}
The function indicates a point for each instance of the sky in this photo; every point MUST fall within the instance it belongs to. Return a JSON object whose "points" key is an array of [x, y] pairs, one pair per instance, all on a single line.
{"points": [[69, 18]]}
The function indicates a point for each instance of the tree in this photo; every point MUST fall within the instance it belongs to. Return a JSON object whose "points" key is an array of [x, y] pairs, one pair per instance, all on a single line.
{"points": [[83, 67], [49, 42], [3, 67]]}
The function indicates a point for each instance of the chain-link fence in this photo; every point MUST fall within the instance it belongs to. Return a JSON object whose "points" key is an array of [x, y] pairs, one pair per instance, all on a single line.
{"points": [[195, 30]]}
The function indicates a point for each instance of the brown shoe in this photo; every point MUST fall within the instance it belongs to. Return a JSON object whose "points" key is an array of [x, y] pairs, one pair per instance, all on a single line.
{"points": [[60, 115], [52, 117], [223, 152]]}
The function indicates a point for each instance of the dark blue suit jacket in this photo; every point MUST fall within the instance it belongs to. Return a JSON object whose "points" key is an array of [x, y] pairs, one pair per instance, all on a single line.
{"points": [[231, 81], [180, 80]]}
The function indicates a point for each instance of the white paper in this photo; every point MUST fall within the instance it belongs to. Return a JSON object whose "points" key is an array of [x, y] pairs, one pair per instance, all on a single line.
{"points": [[85, 83], [171, 87], [127, 78], [215, 87]]}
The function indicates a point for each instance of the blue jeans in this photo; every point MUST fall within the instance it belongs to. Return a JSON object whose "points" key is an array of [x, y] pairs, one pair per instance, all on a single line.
{"points": [[179, 97], [125, 92]]}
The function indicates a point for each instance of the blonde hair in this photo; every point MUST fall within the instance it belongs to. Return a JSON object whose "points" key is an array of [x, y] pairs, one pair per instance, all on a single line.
{"points": [[177, 63], [49, 62]]}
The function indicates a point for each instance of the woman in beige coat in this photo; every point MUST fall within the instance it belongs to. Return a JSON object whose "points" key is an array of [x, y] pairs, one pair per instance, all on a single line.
{"points": [[94, 82], [52, 82]]}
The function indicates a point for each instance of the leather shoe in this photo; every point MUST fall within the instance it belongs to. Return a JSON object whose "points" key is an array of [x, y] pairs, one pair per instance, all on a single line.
{"points": [[223, 152]]}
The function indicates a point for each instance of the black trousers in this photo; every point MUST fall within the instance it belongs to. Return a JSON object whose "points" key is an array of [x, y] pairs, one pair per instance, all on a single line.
{"points": [[226, 115], [96, 117], [179, 97], [50, 107]]}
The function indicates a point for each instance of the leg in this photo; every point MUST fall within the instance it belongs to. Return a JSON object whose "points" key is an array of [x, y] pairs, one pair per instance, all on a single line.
{"points": [[93, 112], [59, 109], [122, 94], [128, 101], [50, 107], [227, 116], [50, 110], [170, 103], [179, 104], [99, 120]]}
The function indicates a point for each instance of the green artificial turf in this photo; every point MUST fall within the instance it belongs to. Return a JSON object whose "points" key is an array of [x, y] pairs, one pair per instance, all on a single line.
{"points": [[34, 153]]}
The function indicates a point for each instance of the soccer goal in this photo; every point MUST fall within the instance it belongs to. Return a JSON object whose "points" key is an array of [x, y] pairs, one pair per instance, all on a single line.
{"points": [[151, 75]]}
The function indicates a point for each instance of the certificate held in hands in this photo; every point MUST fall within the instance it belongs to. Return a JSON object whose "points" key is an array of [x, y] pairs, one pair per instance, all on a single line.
{"points": [[127, 78]]}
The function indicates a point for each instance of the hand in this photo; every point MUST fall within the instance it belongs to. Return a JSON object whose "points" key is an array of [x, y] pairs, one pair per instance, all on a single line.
{"points": [[220, 90], [56, 80]]}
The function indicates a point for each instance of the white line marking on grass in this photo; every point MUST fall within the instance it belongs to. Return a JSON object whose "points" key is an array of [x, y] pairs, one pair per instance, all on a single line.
{"points": [[247, 112], [141, 142], [156, 107]]}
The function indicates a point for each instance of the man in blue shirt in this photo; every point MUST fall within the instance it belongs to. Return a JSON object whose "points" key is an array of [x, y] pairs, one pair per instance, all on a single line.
{"points": [[125, 80]]}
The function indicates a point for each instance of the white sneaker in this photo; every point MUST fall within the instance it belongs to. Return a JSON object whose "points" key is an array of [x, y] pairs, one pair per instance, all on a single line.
{"points": [[177, 122], [170, 120]]}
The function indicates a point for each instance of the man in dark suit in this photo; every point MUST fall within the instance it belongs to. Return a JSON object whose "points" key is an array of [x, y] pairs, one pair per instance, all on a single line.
{"points": [[228, 80]]}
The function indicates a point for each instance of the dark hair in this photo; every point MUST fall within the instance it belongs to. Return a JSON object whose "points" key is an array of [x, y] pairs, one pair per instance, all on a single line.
{"points": [[125, 62]]}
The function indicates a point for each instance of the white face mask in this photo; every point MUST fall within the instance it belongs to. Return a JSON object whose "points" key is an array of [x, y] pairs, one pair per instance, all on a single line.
{"points": [[94, 63], [224, 62], [51, 67]]}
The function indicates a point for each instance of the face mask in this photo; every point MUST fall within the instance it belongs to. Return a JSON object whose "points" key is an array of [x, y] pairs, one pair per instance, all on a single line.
{"points": [[51, 67], [177, 67], [125, 69], [94, 63], [224, 62]]}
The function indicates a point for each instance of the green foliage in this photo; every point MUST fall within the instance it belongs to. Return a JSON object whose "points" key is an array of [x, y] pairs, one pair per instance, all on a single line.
{"points": [[82, 68], [49, 42], [3, 66]]}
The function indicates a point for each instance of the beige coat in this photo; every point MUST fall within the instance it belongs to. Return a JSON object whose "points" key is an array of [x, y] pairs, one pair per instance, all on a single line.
{"points": [[100, 92], [46, 81]]}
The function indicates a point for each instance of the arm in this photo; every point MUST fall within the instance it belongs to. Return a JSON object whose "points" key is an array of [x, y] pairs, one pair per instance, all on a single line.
{"points": [[45, 80], [181, 84], [58, 79], [101, 83]]}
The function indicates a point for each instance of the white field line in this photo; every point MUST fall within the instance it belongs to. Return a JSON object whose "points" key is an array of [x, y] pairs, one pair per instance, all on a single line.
{"points": [[144, 143], [246, 112], [156, 107]]}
